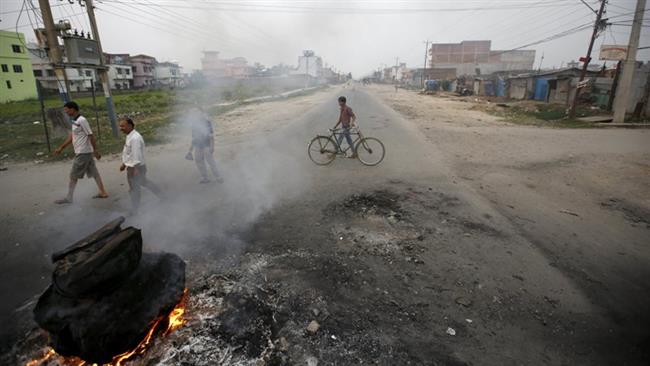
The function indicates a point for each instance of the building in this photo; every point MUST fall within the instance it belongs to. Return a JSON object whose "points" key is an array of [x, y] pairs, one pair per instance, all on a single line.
{"points": [[215, 67], [168, 74], [79, 79], [142, 68], [18, 81], [477, 58], [555, 86], [435, 74], [398, 73], [309, 64], [120, 75]]}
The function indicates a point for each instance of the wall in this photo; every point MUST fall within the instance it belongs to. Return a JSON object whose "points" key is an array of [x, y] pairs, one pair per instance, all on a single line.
{"points": [[23, 84], [312, 65], [468, 56], [519, 88], [123, 80], [142, 77], [638, 85]]}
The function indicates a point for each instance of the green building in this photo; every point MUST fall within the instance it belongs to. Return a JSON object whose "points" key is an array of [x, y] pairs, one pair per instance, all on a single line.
{"points": [[17, 80]]}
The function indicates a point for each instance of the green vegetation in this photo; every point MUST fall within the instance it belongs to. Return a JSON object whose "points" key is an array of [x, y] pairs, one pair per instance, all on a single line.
{"points": [[543, 115], [153, 111], [22, 139]]}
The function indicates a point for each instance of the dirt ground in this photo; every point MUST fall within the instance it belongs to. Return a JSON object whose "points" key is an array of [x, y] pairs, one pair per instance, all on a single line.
{"points": [[476, 242]]}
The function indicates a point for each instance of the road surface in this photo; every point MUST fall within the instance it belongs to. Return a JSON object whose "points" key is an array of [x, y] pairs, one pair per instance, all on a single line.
{"points": [[412, 262]]}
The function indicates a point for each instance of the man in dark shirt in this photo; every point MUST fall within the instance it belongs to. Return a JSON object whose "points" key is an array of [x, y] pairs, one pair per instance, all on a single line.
{"points": [[346, 120], [203, 146]]}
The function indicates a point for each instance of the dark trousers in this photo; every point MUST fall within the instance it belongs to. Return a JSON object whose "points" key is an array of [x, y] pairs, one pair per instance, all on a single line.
{"points": [[137, 178]]}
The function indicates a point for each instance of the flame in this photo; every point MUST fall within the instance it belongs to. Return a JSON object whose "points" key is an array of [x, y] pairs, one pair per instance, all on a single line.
{"points": [[175, 320], [49, 354]]}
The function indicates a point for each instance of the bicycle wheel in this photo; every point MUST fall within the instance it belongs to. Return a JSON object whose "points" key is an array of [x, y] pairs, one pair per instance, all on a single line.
{"points": [[322, 150], [370, 151]]}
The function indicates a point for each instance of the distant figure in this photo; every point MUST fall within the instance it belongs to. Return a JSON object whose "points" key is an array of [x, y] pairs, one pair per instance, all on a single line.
{"points": [[203, 146], [396, 87], [134, 164], [346, 120], [85, 147]]}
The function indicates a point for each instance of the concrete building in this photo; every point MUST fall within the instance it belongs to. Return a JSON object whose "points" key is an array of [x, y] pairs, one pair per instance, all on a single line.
{"points": [[79, 79], [120, 75], [168, 74], [215, 67], [17, 78], [309, 64], [477, 58], [142, 68], [398, 73]]}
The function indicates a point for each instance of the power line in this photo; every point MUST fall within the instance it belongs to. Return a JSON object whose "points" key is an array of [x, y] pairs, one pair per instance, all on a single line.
{"points": [[278, 8], [18, 11], [542, 24], [190, 26], [199, 32], [550, 38]]}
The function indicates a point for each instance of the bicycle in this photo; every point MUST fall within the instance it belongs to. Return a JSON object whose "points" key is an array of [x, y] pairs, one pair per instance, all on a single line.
{"points": [[323, 150]]}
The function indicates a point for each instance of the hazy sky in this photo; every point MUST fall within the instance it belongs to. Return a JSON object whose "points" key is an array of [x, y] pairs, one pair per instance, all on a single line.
{"points": [[353, 36]]}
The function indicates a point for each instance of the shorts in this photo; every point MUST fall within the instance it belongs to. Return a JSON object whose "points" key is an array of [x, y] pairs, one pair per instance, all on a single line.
{"points": [[83, 164]]}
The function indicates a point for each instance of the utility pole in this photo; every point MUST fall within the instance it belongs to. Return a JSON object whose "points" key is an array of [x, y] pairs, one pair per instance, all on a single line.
{"points": [[103, 72], [55, 55], [396, 68], [625, 84], [426, 51], [597, 26], [307, 72]]}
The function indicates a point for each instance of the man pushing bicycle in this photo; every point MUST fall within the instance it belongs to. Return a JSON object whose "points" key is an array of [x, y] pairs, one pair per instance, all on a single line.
{"points": [[346, 120]]}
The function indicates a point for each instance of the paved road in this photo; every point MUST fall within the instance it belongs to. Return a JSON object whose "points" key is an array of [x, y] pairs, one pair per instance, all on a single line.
{"points": [[532, 311]]}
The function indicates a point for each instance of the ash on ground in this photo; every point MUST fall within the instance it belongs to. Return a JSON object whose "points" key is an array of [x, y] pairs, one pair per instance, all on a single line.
{"points": [[396, 276]]}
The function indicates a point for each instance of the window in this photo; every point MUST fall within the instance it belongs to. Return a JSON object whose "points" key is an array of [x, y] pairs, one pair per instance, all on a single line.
{"points": [[5, 68], [16, 48], [18, 68], [89, 73], [38, 73], [127, 71], [8, 84], [119, 71], [50, 72]]}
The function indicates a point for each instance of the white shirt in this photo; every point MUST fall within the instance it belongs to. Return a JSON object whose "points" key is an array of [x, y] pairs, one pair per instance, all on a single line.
{"points": [[81, 135], [133, 152]]}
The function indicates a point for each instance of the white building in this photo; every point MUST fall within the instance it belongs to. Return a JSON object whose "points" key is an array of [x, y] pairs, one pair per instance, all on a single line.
{"points": [[309, 64], [120, 76], [80, 79], [168, 74]]}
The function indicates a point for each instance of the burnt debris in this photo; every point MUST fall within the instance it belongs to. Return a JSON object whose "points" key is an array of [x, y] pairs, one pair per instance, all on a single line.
{"points": [[106, 294]]}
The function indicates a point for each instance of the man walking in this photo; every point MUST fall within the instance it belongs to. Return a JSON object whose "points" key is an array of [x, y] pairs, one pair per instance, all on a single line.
{"points": [[346, 120], [85, 151], [203, 146], [134, 164]]}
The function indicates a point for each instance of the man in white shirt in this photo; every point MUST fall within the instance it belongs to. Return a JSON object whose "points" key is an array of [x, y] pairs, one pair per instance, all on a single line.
{"points": [[85, 147], [134, 164]]}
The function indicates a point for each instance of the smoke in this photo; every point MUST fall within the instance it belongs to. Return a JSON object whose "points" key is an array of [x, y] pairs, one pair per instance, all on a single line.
{"points": [[259, 173]]}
